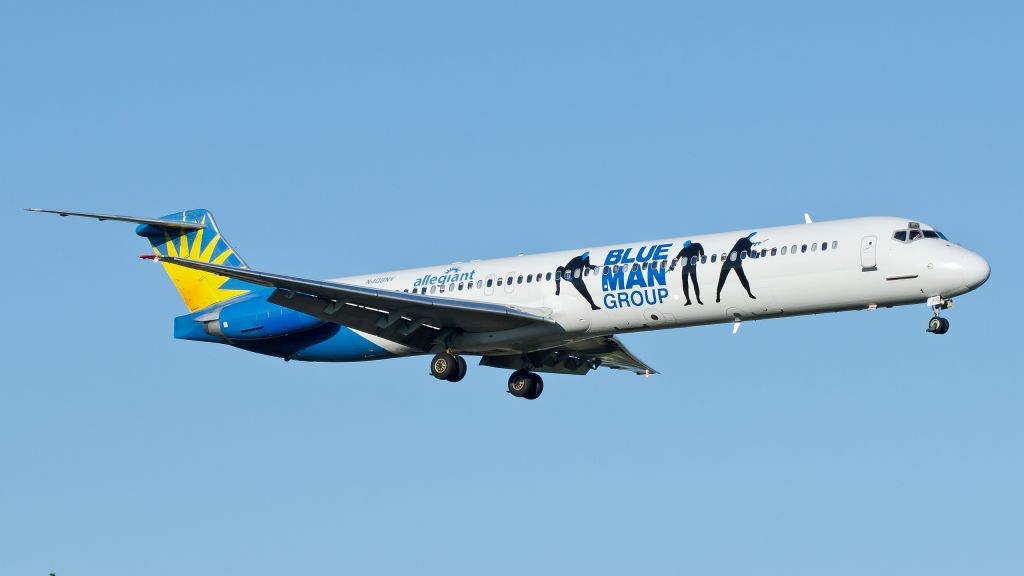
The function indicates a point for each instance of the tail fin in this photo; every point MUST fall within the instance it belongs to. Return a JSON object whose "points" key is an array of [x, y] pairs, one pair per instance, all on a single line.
{"points": [[205, 244]]}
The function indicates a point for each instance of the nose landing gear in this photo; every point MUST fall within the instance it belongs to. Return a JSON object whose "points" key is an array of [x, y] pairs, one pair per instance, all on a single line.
{"points": [[938, 324], [523, 384], [448, 367]]}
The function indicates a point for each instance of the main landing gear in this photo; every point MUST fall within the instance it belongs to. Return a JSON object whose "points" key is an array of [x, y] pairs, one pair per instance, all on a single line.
{"points": [[448, 367], [938, 324], [452, 367], [523, 384]]}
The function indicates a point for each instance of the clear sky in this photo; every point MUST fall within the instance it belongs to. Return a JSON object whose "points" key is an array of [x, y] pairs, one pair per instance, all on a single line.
{"points": [[334, 138]]}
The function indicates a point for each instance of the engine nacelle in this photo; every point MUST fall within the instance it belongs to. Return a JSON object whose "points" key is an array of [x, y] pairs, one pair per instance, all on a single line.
{"points": [[258, 319]]}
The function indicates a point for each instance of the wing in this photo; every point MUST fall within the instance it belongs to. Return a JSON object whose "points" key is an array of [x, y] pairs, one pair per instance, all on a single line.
{"points": [[415, 320], [576, 358]]}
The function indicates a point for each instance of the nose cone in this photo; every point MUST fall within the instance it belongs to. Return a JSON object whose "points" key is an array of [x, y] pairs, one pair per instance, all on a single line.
{"points": [[975, 270]]}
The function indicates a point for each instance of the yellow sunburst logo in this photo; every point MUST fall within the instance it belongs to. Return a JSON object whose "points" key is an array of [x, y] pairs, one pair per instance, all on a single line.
{"points": [[199, 289]]}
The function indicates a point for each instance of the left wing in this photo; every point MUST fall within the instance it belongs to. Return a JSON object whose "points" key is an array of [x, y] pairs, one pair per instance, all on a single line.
{"points": [[415, 320]]}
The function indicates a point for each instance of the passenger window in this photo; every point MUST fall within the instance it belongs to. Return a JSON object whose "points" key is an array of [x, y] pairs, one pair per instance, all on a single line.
{"points": [[835, 244], [499, 281], [723, 257], [440, 288], [479, 284], [704, 259], [529, 278], [732, 257], [693, 261], [824, 246], [547, 276], [520, 279], [490, 283], [814, 247], [774, 251], [784, 250], [451, 287], [792, 249], [803, 248], [508, 280], [576, 273], [743, 255], [461, 286], [713, 258]]}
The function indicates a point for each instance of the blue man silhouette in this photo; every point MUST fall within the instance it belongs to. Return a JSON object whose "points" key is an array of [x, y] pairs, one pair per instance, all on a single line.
{"points": [[742, 245], [687, 254], [573, 272]]}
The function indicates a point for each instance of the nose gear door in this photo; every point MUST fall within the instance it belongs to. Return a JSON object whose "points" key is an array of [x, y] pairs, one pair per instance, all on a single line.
{"points": [[868, 262]]}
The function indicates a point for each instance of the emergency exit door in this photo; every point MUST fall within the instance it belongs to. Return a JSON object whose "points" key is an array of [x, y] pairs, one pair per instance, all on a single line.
{"points": [[868, 262]]}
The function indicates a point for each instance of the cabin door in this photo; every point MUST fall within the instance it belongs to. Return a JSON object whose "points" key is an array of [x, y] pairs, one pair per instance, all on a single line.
{"points": [[868, 262]]}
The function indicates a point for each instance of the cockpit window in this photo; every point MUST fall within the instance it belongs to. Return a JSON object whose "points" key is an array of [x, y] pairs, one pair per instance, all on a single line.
{"points": [[916, 234]]}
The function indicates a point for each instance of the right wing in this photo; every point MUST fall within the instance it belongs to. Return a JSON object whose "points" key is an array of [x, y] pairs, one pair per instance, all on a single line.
{"points": [[415, 320], [578, 357]]}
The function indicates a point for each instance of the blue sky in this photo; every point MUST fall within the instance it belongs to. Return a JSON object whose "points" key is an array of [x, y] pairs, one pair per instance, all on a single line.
{"points": [[334, 139]]}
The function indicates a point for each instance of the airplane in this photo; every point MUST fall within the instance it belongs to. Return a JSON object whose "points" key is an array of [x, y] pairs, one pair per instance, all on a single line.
{"points": [[558, 312]]}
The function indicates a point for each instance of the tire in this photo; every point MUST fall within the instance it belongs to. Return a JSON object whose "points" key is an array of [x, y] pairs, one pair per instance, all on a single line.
{"points": [[943, 326], [443, 366], [460, 370], [521, 384], [538, 387], [936, 324]]}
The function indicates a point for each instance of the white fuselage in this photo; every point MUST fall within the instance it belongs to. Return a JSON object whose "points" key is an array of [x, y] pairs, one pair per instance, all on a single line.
{"points": [[826, 267]]}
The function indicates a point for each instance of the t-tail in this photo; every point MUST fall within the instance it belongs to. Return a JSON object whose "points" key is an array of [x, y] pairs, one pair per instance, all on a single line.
{"points": [[191, 234]]}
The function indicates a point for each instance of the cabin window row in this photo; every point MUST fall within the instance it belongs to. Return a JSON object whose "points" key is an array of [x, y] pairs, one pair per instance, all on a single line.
{"points": [[765, 252], [662, 264]]}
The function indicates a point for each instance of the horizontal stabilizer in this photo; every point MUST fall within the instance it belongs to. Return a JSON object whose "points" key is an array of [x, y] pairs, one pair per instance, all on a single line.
{"points": [[156, 222]]}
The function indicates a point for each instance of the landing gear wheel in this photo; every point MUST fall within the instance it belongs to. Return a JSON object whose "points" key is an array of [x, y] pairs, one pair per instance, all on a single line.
{"points": [[520, 384], [938, 325], [443, 366], [460, 370], [523, 384], [538, 387]]}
